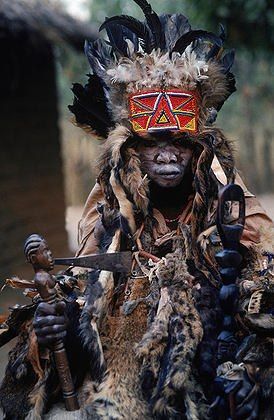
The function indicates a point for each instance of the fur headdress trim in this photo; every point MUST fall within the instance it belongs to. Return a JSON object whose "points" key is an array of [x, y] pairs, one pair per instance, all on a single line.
{"points": [[158, 71]]}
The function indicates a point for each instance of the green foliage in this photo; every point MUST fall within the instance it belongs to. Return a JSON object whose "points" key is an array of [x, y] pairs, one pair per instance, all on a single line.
{"points": [[99, 10], [71, 67], [249, 22]]}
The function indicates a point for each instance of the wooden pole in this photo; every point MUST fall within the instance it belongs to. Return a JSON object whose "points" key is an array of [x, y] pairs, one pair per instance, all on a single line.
{"points": [[46, 287]]}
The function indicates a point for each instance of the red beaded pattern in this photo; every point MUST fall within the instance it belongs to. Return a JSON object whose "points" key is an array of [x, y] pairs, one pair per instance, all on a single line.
{"points": [[164, 110]]}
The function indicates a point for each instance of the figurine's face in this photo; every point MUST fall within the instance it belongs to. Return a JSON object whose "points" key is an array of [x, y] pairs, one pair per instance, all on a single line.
{"points": [[43, 258], [165, 161]]}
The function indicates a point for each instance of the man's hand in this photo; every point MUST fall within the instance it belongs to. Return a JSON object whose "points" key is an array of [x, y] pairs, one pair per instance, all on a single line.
{"points": [[237, 397], [246, 400], [50, 322]]}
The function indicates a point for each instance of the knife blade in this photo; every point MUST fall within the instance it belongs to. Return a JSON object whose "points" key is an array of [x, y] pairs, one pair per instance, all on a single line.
{"points": [[117, 262]]}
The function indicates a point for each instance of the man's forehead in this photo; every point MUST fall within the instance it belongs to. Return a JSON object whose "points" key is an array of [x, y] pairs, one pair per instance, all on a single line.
{"points": [[167, 137]]}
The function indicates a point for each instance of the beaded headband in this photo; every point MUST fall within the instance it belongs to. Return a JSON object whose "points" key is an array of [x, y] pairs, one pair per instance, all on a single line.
{"points": [[160, 110]]}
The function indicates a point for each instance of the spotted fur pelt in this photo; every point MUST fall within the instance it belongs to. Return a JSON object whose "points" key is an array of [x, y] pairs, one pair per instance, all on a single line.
{"points": [[169, 346], [153, 356], [140, 363], [150, 373], [23, 390]]}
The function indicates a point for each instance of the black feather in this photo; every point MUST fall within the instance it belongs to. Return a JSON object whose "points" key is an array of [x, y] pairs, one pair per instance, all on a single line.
{"points": [[144, 5], [90, 106], [231, 87], [216, 48], [174, 26], [191, 36], [117, 38], [227, 61], [138, 28], [231, 83], [154, 24], [100, 56], [222, 34], [132, 37]]}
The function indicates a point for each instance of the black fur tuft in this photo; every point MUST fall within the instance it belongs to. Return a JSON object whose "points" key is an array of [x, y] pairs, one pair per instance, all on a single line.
{"points": [[89, 336]]}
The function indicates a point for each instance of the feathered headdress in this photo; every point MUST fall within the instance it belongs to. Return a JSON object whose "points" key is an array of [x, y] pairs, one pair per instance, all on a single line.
{"points": [[153, 75]]}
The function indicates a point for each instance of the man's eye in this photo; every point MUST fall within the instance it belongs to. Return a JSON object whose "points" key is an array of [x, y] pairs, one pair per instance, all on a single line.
{"points": [[149, 143], [183, 142], [180, 141], [177, 142]]}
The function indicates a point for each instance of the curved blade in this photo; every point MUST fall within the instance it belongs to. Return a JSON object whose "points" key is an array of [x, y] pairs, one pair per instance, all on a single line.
{"points": [[116, 262]]}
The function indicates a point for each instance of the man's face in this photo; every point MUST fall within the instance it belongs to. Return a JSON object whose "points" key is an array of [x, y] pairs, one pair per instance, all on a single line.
{"points": [[165, 161]]}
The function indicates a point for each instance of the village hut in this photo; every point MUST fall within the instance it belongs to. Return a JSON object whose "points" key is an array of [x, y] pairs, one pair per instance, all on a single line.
{"points": [[32, 185]]}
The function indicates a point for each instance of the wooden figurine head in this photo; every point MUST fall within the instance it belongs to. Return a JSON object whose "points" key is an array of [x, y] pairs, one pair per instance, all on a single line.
{"points": [[38, 253]]}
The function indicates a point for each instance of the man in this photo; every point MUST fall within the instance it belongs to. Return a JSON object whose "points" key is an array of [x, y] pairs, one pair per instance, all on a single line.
{"points": [[146, 345]]}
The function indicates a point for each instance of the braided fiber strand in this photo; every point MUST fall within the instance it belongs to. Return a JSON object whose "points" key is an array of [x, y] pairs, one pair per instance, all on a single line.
{"points": [[224, 151], [202, 183]]}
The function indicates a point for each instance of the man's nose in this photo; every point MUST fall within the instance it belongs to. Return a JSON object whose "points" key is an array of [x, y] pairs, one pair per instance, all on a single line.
{"points": [[166, 156]]}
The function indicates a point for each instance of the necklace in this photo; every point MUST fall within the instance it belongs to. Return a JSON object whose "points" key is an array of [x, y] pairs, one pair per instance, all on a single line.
{"points": [[172, 220]]}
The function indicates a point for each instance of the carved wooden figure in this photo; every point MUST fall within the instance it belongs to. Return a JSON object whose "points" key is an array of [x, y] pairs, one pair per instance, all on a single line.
{"points": [[39, 255]]}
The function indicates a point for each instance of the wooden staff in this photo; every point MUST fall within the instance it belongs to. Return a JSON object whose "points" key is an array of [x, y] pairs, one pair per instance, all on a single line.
{"points": [[229, 259], [46, 287]]}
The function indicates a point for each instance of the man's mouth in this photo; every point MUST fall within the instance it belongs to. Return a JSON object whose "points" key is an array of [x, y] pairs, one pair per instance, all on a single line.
{"points": [[168, 172]]}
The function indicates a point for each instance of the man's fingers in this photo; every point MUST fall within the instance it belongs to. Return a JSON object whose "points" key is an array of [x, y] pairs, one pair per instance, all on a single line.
{"points": [[51, 330], [50, 339], [46, 321], [60, 308], [45, 309], [50, 322], [51, 309], [243, 392], [248, 410]]}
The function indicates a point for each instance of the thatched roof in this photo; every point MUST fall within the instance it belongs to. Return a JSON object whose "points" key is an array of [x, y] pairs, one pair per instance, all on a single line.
{"points": [[43, 18]]}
